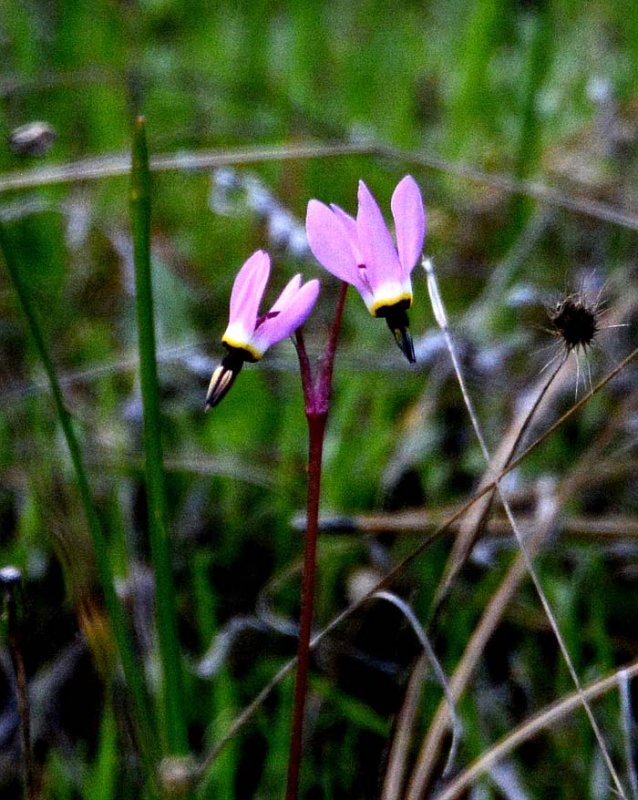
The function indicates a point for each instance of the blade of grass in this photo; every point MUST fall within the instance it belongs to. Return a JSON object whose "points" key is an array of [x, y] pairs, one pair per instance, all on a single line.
{"points": [[132, 669], [101, 783], [530, 134], [174, 721], [483, 33]]}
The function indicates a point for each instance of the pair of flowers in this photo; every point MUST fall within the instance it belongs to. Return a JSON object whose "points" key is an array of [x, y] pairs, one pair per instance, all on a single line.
{"points": [[359, 251]]}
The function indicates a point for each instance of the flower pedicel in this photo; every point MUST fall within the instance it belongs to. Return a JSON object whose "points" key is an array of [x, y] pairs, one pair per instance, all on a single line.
{"points": [[248, 336], [362, 252]]}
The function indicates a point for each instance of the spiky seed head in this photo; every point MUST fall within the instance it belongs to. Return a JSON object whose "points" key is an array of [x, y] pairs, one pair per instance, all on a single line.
{"points": [[575, 321]]}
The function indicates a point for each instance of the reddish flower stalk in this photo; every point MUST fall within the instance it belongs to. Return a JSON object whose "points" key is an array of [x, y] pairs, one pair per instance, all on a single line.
{"points": [[317, 404]]}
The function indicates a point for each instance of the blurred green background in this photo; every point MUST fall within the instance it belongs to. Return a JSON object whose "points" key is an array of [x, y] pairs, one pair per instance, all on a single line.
{"points": [[470, 98]]}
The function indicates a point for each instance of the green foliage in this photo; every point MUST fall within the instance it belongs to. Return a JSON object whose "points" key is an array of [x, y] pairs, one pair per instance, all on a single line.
{"points": [[496, 86]]}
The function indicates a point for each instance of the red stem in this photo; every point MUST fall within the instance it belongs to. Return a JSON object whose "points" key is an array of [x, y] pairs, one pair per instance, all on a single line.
{"points": [[325, 375], [316, 429], [317, 403]]}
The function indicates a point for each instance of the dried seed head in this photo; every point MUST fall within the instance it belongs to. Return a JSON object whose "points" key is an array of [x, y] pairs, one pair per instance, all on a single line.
{"points": [[575, 321]]}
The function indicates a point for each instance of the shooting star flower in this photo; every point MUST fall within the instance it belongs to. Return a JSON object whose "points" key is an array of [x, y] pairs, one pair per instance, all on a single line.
{"points": [[361, 252], [248, 335]]}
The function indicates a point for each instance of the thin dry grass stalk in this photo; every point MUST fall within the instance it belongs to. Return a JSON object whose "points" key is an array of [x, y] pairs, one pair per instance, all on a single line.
{"points": [[428, 755], [576, 478], [585, 527], [400, 750], [113, 165], [543, 719], [473, 525], [430, 749]]}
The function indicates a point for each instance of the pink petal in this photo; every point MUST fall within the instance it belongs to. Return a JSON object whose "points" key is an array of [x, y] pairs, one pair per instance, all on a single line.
{"points": [[377, 248], [350, 224], [248, 289], [294, 314], [331, 242], [290, 290], [409, 222]]}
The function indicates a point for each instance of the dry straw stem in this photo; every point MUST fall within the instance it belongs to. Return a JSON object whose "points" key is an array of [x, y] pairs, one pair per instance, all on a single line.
{"points": [[428, 651], [395, 773], [432, 743], [581, 475], [396, 769], [489, 620], [116, 165], [543, 719], [577, 527], [251, 709], [472, 525], [431, 747]]}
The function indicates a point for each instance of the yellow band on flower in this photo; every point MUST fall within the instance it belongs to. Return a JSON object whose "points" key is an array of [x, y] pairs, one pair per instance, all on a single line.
{"points": [[388, 302], [253, 353]]}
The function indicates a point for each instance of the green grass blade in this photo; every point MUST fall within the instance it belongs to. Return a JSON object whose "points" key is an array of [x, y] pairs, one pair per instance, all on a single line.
{"points": [[174, 722], [539, 60], [130, 665]]}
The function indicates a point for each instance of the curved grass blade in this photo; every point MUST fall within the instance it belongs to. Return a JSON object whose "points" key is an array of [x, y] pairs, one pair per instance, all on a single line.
{"points": [[131, 668]]}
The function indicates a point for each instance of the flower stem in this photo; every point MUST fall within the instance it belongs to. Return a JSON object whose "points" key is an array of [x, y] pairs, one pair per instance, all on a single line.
{"points": [[316, 430], [317, 404]]}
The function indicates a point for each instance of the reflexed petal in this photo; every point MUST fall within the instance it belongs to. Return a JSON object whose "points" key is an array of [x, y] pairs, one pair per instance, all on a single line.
{"points": [[350, 224], [331, 242], [248, 290], [290, 290], [409, 222], [294, 314], [377, 248]]}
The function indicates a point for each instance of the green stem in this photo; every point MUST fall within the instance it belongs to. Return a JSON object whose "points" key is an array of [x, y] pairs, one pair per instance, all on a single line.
{"points": [[530, 134], [130, 664], [175, 731]]}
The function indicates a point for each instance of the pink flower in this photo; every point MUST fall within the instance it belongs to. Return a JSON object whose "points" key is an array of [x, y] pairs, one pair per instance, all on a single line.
{"points": [[362, 252], [248, 336]]}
